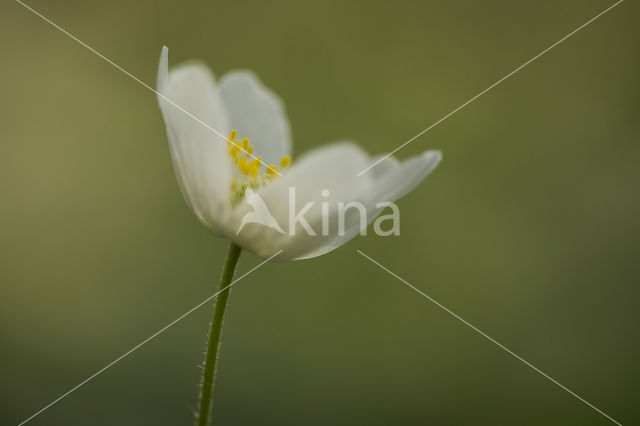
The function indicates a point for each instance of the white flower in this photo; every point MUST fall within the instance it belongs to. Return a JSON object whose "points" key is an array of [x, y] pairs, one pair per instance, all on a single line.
{"points": [[214, 174]]}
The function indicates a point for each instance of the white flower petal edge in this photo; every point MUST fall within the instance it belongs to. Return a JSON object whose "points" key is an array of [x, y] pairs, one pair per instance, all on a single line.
{"points": [[257, 113], [199, 155]]}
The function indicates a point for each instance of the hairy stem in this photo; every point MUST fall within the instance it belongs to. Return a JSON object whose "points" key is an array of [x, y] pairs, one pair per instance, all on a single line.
{"points": [[211, 356]]}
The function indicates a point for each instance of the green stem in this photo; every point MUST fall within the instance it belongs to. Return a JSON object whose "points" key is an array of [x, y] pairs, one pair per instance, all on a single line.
{"points": [[211, 356]]}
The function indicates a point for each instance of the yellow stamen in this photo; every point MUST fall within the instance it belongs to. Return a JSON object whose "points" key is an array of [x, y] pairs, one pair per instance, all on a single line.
{"points": [[254, 167], [233, 151], [272, 170], [249, 167], [243, 165], [286, 160]]}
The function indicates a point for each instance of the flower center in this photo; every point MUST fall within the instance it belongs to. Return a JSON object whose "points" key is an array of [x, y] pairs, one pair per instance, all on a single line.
{"points": [[247, 170]]}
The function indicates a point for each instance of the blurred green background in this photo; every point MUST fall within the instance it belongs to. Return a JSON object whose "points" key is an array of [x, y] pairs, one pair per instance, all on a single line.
{"points": [[529, 229]]}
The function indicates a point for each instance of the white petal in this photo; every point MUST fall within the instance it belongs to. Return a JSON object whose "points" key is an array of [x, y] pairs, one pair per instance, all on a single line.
{"points": [[399, 179], [392, 181], [258, 114], [383, 164], [333, 168], [196, 124]]}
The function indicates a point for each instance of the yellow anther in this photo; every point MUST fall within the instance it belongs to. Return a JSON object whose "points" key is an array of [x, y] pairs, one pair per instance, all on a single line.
{"points": [[245, 143], [232, 135], [286, 160], [243, 165], [254, 167], [272, 170], [234, 150], [250, 149]]}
